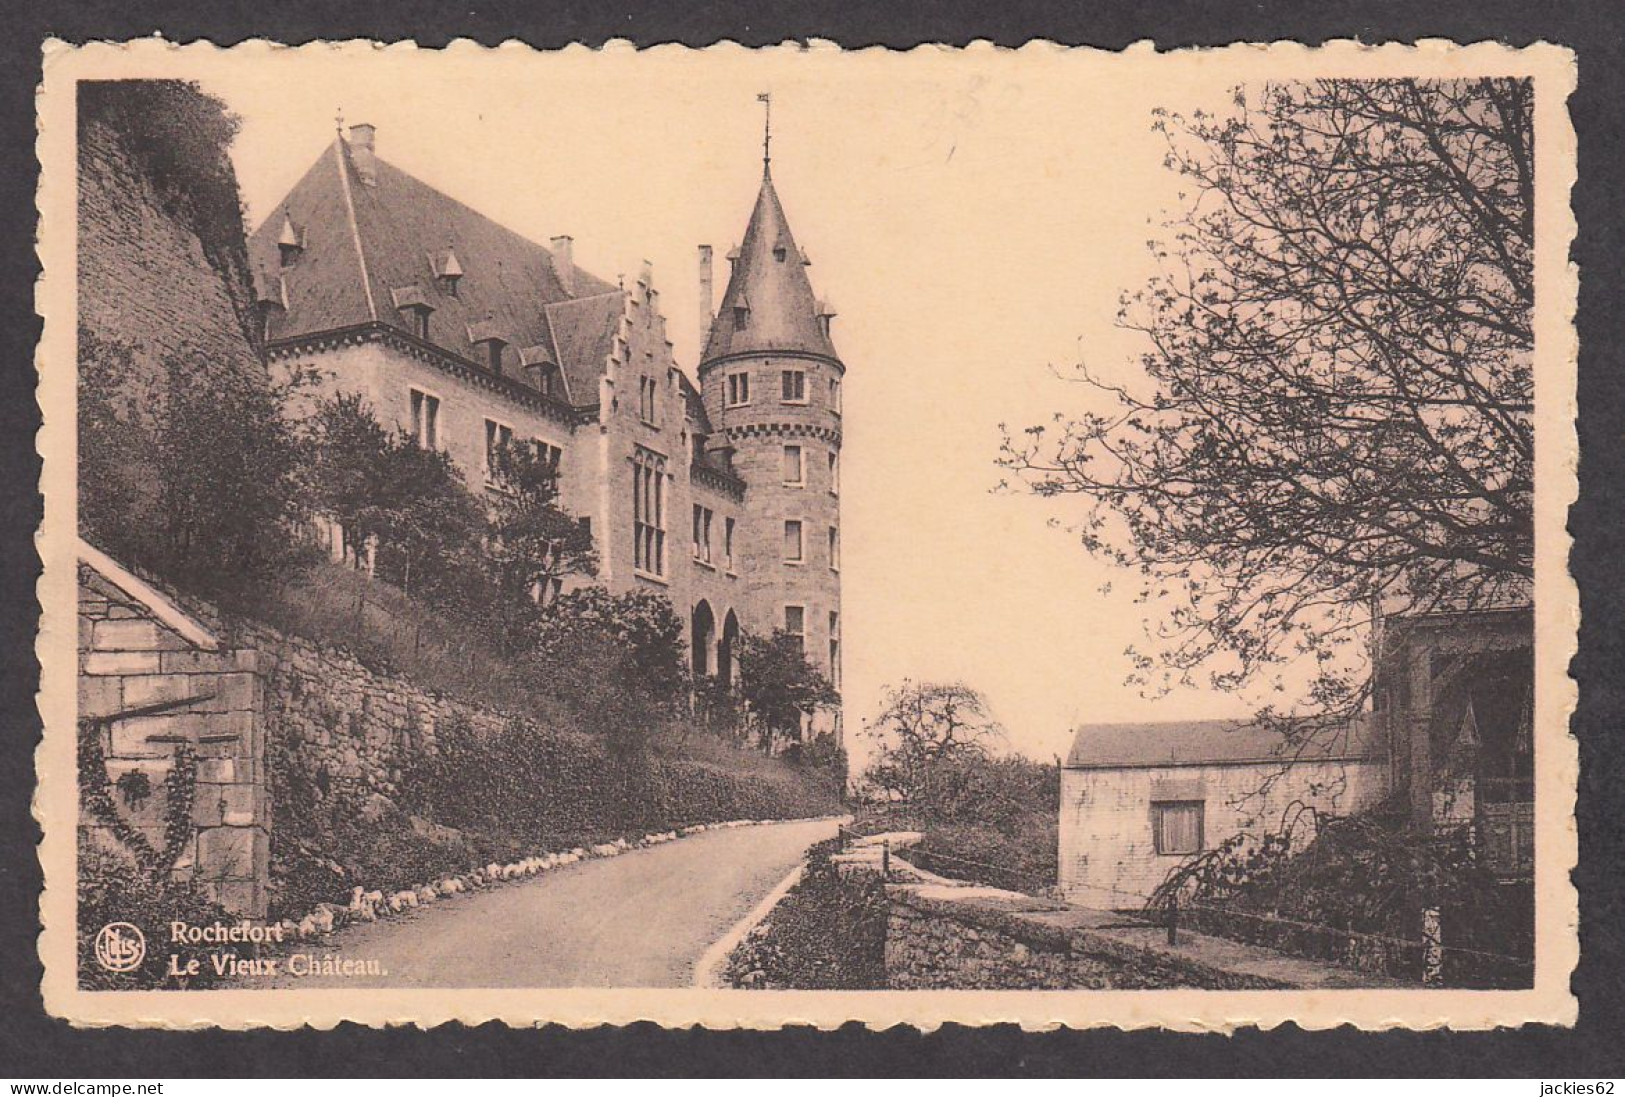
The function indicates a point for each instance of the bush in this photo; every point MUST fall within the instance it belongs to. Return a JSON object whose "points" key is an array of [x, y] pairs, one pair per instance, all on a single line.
{"points": [[327, 843], [827, 933], [993, 821], [1361, 877], [544, 789], [204, 456], [112, 888]]}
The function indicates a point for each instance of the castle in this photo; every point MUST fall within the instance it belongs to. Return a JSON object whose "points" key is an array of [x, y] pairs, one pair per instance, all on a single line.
{"points": [[722, 495]]}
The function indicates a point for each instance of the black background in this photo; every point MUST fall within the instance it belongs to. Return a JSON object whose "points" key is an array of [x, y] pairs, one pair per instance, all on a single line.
{"points": [[35, 1046]]}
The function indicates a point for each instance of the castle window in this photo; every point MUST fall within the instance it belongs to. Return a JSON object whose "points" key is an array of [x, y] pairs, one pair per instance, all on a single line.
{"points": [[425, 419], [738, 389], [648, 513], [420, 324], [548, 454], [1176, 826], [728, 543], [793, 547], [741, 317], [793, 385], [794, 475], [493, 354], [835, 649], [834, 473], [795, 623], [835, 395], [834, 548], [498, 437], [649, 401], [702, 533]]}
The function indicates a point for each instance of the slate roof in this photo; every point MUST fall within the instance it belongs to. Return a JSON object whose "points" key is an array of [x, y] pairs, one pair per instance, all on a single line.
{"points": [[694, 406], [353, 268], [782, 310], [1208, 742], [583, 333]]}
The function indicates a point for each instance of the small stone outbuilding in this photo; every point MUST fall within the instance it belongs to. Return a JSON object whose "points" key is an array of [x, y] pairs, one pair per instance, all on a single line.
{"points": [[173, 722], [1138, 800]]}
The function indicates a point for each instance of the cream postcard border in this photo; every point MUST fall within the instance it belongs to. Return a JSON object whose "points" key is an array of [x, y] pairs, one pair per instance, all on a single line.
{"points": [[1556, 612]]}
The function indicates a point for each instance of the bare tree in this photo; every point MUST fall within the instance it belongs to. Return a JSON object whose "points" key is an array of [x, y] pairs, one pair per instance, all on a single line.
{"points": [[1336, 414], [923, 725]]}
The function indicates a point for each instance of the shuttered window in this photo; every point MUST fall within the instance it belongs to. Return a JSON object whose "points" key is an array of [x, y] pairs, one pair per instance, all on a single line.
{"points": [[1176, 826]]}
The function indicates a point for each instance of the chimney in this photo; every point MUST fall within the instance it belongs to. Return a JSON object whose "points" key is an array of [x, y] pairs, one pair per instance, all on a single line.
{"points": [[707, 300], [564, 263], [363, 153]]}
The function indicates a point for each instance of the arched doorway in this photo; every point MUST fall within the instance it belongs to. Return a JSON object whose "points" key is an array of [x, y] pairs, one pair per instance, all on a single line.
{"points": [[725, 649], [702, 637]]}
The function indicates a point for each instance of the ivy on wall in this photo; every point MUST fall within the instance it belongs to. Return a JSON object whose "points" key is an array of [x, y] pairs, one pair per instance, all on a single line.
{"points": [[179, 790]]}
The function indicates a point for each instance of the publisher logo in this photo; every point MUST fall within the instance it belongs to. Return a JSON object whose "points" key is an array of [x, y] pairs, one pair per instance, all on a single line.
{"points": [[120, 947]]}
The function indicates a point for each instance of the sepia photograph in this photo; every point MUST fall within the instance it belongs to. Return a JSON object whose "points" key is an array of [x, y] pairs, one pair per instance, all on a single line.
{"points": [[744, 537]]}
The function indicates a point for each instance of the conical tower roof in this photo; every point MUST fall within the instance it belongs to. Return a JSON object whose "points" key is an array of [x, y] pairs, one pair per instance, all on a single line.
{"points": [[769, 284]]}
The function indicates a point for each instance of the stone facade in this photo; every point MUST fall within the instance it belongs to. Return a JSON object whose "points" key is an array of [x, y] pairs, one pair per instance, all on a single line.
{"points": [[760, 433], [1108, 855], [947, 936], [154, 682], [599, 383]]}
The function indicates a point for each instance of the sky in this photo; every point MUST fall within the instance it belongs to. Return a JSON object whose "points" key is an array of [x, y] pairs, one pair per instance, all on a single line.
{"points": [[973, 216]]}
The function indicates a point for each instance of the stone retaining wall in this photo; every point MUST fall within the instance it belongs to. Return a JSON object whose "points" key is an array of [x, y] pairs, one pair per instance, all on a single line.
{"points": [[990, 942], [946, 934], [349, 722]]}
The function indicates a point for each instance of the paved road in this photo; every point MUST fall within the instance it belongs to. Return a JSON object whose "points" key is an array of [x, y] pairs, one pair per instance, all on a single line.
{"points": [[642, 919]]}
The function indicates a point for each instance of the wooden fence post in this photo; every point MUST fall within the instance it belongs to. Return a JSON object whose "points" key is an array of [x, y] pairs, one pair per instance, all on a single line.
{"points": [[1432, 948]]}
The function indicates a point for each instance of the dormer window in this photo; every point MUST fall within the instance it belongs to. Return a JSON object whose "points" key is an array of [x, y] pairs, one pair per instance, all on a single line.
{"points": [[826, 313], [547, 381], [779, 253], [541, 371], [741, 317], [413, 305], [271, 301], [489, 341], [290, 242], [448, 271]]}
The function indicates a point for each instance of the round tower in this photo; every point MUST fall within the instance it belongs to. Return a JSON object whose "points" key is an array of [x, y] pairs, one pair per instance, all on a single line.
{"points": [[771, 382]]}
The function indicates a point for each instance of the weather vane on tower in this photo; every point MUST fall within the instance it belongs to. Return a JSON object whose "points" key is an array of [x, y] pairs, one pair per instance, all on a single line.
{"points": [[766, 98]]}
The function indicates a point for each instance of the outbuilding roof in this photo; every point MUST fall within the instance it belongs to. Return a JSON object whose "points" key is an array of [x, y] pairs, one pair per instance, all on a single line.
{"points": [[1211, 742]]}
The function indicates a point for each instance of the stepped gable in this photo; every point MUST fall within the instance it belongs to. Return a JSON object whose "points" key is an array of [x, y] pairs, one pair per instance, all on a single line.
{"points": [[366, 236], [769, 283]]}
